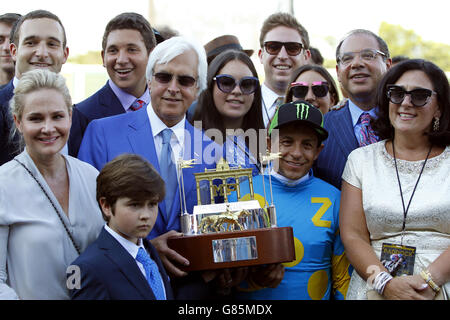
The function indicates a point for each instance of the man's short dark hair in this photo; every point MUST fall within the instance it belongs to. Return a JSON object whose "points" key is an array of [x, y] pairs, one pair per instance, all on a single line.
{"points": [[286, 20], [36, 14], [316, 56], [134, 21], [129, 176], [9, 18]]}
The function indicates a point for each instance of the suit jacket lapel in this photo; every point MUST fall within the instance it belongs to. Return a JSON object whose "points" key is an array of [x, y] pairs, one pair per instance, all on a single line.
{"points": [[125, 262], [109, 102], [343, 128], [140, 136]]}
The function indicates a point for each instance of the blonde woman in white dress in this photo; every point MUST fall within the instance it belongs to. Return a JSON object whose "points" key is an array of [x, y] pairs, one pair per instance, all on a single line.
{"points": [[48, 208]]}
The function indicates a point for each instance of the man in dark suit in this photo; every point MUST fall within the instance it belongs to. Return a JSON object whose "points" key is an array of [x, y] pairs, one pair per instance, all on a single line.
{"points": [[121, 264], [176, 74], [39, 42], [127, 42], [362, 59], [7, 21]]}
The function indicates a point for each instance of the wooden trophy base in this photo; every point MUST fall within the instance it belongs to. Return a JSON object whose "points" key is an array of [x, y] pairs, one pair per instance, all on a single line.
{"points": [[235, 248]]}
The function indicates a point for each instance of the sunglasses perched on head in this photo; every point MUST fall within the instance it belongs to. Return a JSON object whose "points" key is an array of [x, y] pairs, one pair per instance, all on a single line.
{"points": [[419, 97], [274, 47], [300, 89], [227, 83], [165, 77]]}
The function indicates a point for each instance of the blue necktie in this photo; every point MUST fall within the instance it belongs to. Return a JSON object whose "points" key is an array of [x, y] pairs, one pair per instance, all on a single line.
{"points": [[152, 273], [168, 170]]}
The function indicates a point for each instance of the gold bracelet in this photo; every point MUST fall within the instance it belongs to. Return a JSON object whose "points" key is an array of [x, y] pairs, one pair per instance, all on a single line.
{"points": [[425, 274]]}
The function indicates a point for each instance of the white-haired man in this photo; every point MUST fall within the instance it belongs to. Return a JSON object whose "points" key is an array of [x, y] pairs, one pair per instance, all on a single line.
{"points": [[176, 74]]}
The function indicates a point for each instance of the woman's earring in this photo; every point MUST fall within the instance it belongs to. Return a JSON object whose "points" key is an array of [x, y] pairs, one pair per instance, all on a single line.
{"points": [[436, 124]]}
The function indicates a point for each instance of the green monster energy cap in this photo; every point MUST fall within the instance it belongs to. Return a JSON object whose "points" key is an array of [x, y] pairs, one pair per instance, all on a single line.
{"points": [[301, 111]]}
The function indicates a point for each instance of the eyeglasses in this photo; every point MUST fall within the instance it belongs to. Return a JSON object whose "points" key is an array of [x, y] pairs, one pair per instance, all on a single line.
{"points": [[227, 83], [274, 47], [366, 55], [300, 89], [184, 81], [419, 97]]}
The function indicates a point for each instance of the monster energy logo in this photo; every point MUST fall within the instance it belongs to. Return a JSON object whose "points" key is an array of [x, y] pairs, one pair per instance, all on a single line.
{"points": [[304, 110]]}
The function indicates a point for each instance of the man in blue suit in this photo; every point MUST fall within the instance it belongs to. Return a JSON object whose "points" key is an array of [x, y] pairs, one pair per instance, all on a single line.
{"points": [[39, 42], [127, 42], [176, 73], [121, 264], [362, 59]]}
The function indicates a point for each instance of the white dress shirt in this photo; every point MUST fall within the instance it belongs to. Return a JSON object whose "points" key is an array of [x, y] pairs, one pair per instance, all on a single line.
{"points": [[177, 140], [269, 106]]}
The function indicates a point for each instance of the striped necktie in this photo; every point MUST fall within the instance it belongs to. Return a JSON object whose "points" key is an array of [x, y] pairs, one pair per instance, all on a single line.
{"points": [[137, 104], [367, 134]]}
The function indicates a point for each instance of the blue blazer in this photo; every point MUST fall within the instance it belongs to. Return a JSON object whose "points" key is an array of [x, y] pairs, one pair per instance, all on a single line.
{"points": [[109, 272], [341, 141], [103, 103], [6, 148], [107, 138]]}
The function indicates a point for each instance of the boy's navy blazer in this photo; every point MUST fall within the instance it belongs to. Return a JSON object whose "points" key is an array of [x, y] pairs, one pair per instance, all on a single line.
{"points": [[109, 272], [107, 138], [6, 93], [341, 141], [103, 103]]}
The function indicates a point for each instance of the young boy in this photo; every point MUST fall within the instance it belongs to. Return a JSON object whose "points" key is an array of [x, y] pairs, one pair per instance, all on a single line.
{"points": [[121, 263]]}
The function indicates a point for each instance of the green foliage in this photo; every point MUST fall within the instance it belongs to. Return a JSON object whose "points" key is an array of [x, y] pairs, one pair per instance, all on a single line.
{"points": [[407, 43], [329, 63], [91, 57]]}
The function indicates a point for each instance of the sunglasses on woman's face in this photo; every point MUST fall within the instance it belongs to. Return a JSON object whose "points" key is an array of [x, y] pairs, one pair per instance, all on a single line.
{"points": [[165, 78], [300, 89], [419, 97], [227, 83]]}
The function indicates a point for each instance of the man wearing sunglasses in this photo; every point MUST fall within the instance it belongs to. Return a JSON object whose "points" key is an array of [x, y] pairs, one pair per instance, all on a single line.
{"points": [[176, 74], [127, 42], [362, 59], [284, 48]]}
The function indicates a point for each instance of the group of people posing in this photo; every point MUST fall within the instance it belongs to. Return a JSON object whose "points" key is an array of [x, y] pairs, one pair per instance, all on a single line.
{"points": [[89, 192]]}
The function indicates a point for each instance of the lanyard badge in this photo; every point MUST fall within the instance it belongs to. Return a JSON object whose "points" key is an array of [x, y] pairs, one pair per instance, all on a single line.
{"points": [[399, 259]]}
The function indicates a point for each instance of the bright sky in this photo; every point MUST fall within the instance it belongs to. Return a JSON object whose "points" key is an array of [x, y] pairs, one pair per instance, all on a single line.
{"points": [[85, 20]]}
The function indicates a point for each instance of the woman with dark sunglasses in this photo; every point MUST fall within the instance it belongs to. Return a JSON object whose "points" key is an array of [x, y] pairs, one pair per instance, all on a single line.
{"points": [[315, 85], [394, 214], [231, 103], [229, 108]]}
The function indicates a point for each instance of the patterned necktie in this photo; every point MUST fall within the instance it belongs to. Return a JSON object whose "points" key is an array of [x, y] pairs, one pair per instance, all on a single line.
{"points": [[168, 170], [367, 134], [152, 273], [137, 104]]}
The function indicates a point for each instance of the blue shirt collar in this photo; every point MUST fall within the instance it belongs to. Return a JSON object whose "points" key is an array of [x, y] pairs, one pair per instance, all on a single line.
{"points": [[127, 99], [356, 112]]}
